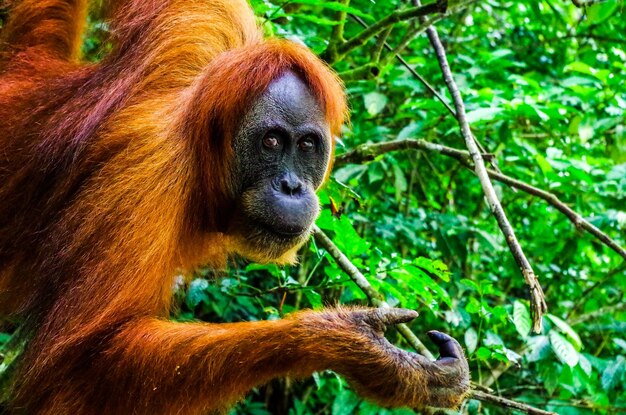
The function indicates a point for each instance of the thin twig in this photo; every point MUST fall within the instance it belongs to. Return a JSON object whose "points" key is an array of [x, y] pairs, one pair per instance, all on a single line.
{"points": [[336, 36], [368, 152], [359, 279], [419, 77], [538, 304], [395, 52], [376, 299], [381, 41], [398, 16], [607, 277], [508, 403], [603, 311], [574, 217]]}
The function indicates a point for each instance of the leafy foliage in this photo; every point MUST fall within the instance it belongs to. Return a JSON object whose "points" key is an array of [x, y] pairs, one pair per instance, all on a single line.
{"points": [[543, 85]]}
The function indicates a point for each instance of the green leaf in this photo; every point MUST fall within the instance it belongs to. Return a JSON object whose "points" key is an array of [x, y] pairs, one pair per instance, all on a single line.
{"points": [[563, 349], [567, 330], [376, 172], [427, 282], [421, 283], [400, 183], [600, 11], [375, 102], [345, 402], [483, 114], [434, 266], [469, 283], [580, 67], [314, 299], [544, 165], [538, 348], [585, 364], [345, 236], [473, 306], [499, 356], [620, 342], [612, 375], [197, 292], [483, 353], [399, 295], [336, 6], [410, 131], [471, 340], [521, 319]]}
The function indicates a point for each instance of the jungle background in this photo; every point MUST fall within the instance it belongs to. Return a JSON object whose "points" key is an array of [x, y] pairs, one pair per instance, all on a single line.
{"points": [[543, 89]]}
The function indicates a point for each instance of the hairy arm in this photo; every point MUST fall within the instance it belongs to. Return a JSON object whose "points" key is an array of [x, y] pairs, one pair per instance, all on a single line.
{"points": [[208, 367]]}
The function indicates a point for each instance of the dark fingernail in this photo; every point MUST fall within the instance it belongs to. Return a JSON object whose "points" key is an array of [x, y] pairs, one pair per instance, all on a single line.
{"points": [[438, 337], [448, 347]]}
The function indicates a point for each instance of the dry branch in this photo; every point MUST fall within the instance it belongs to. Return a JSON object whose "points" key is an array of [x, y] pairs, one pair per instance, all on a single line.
{"points": [[395, 53], [603, 311], [439, 6], [369, 152], [507, 403], [574, 217], [538, 305], [359, 279]]}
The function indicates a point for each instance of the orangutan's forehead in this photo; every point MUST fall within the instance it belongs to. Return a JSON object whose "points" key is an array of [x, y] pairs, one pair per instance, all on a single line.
{"points": [[289, 97]]}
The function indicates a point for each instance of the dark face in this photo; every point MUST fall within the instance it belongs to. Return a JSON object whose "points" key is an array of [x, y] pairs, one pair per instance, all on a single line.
{"points": [[282, 153]]}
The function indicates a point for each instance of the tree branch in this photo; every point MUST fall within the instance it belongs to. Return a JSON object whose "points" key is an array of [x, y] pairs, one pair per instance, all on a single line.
{"points": [[336, 36], [409, 68], [395, 53], [369, 152], [603, 311], [359, 279], [381, 41], [368, 71], [377, 300], [538, 305], [574, 217], [438, 6], [507, 403]]}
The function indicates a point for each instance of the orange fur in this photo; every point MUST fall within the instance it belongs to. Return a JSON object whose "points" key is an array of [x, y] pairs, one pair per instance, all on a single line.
{"points": [[115, 177]]}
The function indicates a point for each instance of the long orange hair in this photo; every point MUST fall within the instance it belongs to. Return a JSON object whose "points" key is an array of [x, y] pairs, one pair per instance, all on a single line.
{"points": [[115, 176]]}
